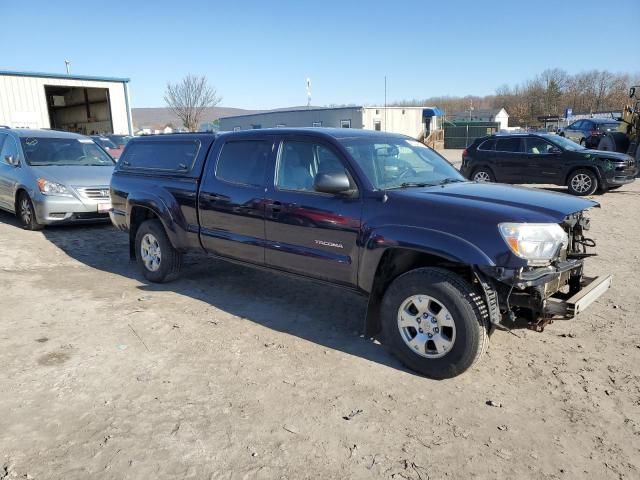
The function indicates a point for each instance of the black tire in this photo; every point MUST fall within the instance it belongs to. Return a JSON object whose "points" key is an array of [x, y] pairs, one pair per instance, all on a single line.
{"points": [[471, 337], [170, 259], [26, 213], [582, 182], [614, 142], [484, 172]]}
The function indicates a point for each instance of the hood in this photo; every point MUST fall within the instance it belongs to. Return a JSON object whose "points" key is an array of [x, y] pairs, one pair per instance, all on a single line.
{"points": [[620, 157], [497, 202], [75, 175]]}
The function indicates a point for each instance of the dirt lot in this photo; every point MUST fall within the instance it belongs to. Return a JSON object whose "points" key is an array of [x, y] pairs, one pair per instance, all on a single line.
{"points": [[234, 373]]}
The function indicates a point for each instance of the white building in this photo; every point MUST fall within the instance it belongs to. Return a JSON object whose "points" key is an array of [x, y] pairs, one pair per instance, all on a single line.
{"points": [[498, 115], [416, 122], [75, 103]]}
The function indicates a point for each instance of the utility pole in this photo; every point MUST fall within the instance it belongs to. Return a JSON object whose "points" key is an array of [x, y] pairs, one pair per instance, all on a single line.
{"points": [[385, 103], [67, 64]]}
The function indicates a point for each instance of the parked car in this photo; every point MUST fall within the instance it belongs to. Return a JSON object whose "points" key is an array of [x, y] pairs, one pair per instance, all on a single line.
{"points": [[442, 260], [119, 140], [111, 148], [588, 133], [546, 159], [50, 177]]}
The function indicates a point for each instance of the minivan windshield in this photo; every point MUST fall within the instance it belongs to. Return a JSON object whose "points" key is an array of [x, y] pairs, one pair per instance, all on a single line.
{"points": [[564, 143], [391, 162], [47, 151]]}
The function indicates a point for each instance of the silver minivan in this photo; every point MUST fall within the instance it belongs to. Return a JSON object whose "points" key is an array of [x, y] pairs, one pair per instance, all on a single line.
{"points": [[49, 177]]}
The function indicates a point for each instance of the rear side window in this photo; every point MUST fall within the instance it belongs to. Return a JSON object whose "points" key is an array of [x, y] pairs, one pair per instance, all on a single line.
{"points": [[508, 145], [174, 155], [488, 144], [244, 162]]}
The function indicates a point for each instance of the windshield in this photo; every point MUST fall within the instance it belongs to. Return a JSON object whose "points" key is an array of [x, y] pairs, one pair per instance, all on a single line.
{"points": [[64, 151], [104, 142], [398, 163], [564, 143]]}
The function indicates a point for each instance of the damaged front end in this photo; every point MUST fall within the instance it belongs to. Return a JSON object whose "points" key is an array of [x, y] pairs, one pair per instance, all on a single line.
{"points": [[545, 291]]}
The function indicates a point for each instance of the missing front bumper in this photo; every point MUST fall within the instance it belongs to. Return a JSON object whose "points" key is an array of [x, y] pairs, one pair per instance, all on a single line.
{"points": [[566, 308]]}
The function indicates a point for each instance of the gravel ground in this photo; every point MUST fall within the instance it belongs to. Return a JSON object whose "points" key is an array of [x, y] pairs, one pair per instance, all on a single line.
{"points": [[235, 373]]}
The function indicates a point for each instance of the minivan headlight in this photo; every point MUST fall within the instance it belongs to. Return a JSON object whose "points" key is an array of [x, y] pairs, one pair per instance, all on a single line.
{"points": [[52, 188], [536, 242]]}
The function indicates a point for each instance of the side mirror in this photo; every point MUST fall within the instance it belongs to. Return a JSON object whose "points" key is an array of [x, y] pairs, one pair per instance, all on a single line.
{"points": [[555, 150], [332, 183], [11, 160]]}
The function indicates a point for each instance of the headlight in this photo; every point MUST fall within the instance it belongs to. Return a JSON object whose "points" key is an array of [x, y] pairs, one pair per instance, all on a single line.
{"points": [[536, 242], [52, 188]]}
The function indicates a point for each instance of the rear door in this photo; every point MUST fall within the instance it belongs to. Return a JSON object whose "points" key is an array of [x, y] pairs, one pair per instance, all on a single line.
{"points": [[510, 160], [231, 198], [544, 164], [307, 232]]}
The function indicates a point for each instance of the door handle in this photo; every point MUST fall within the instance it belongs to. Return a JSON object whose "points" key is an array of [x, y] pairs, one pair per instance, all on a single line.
{"points": [[276, 207], [210, 197]]}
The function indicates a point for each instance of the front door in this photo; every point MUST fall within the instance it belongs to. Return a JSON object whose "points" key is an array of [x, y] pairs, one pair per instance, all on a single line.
{"points": [[8, 148], [574, 132], [544, 163], [231, 199], [307, 232]]}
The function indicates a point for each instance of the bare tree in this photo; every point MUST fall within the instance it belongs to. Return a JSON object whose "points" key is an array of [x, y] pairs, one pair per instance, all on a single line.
{"points": [[189, 98]]}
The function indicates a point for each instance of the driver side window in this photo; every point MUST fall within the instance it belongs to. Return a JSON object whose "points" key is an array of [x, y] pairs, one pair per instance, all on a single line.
{"points": [[538, 146], [299, 162]]}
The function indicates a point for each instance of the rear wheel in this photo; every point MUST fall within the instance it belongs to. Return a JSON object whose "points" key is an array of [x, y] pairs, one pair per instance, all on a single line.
{"points": [[483, 174], [157, 258], [432, 322], [582, 182], [26, 213]]}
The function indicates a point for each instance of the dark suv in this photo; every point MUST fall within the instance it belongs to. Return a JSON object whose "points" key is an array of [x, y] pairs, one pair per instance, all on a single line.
{"points": [[546, 159]]}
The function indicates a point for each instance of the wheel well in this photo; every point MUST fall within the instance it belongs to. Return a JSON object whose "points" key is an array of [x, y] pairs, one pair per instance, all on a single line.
{"points": [[395, 262], [591, 169], [137, 216], [15, 200]]}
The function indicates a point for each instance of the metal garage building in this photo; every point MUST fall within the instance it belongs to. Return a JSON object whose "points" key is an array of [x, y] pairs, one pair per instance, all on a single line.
{"points": [[75, 103], [416, 122]]}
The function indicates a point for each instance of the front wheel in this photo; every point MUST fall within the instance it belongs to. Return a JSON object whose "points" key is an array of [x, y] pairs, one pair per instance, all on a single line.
{"points": [[582, 182], [432, 322], [26, 213], [157, 258]]}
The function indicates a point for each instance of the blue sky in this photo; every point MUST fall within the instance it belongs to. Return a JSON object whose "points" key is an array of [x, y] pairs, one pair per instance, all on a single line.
{"points": [[259, 53]]}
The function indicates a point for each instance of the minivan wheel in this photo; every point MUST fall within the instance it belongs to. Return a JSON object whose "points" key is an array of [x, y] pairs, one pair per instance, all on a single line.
{"points": [[26, 213], [483, 174], [432, 322], [582, 182], [157, 258]]}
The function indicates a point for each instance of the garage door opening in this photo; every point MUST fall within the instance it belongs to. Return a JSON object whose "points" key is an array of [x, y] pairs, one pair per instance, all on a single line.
{"points": [[79, 109]]}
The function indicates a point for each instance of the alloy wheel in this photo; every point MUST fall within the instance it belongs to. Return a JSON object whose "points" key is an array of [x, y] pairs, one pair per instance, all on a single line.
{"points": [[482, 176], [581, 183], [25, 210], [426, 326], [150, 252]]}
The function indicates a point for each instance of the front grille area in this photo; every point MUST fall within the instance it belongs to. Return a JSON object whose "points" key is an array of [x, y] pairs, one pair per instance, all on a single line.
{"points": [[94, 193]]}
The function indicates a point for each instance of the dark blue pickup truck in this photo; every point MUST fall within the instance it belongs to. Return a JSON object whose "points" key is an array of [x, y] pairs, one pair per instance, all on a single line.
{"points": [[442, 260]]}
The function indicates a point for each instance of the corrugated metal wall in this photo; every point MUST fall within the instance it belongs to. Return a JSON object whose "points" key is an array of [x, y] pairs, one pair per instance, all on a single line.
{"points": [[330, 117], [23, 102]]}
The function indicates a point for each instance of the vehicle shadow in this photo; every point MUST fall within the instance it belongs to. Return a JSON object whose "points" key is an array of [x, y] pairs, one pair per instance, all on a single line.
{"points": [[318, 313]]}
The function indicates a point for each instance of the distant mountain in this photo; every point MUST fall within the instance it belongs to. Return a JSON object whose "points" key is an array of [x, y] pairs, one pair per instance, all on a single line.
{"points": [[160, 117]]}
